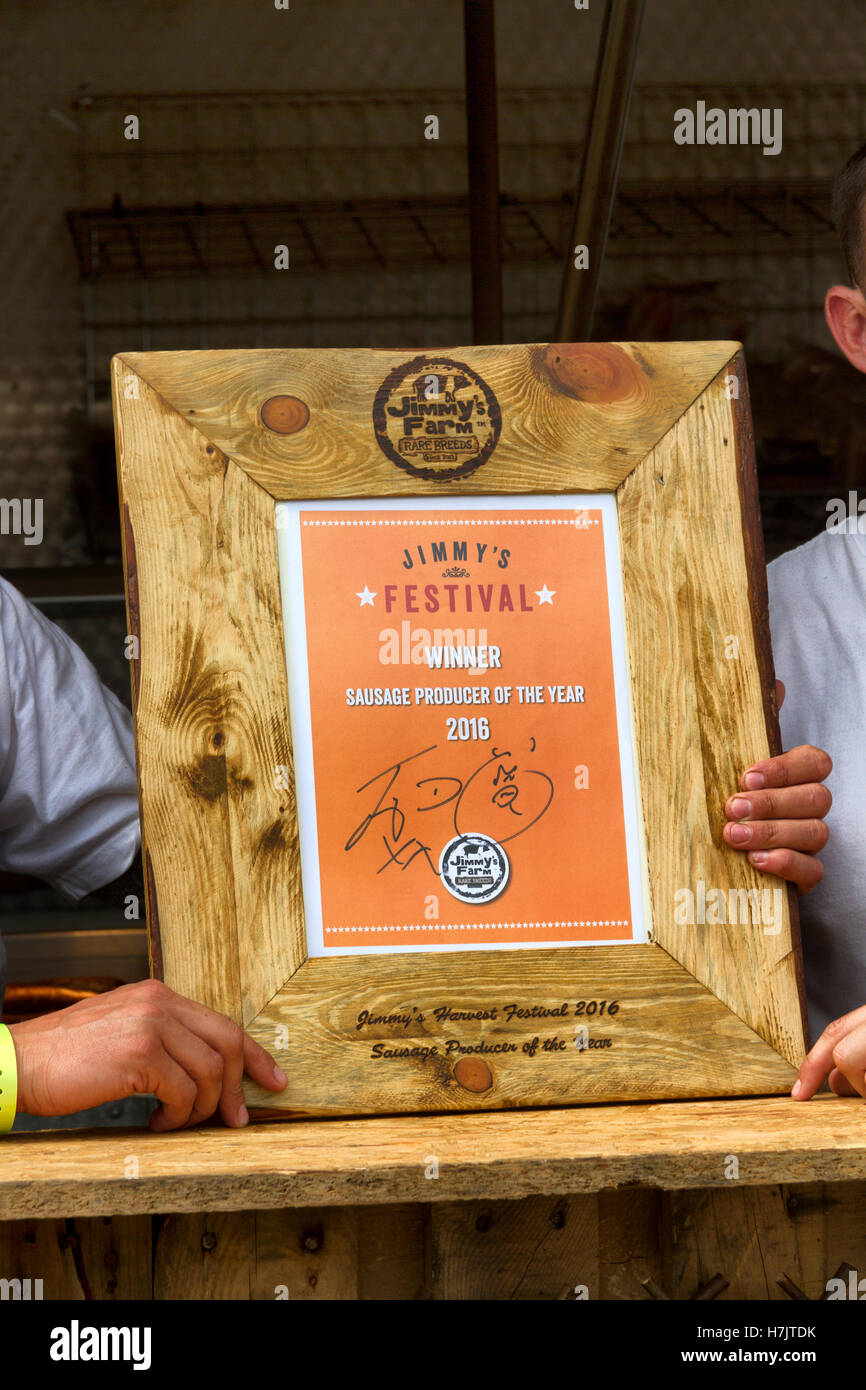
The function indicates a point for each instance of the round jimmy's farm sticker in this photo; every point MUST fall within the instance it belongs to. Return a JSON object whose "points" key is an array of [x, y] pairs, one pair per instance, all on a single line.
{"points": [[436, 418], [474, 868]]}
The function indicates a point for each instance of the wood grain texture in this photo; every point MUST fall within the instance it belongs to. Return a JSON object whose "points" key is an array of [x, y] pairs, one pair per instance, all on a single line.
{"points": [[759, 604], [296, 1254], [542, 1248], [669, 1032], [535, 1248], [743, 1234], [199, 468], [105, 1258], [755, 1236], [575, 417], [482, 1156], [829, 1223], [212, 713], [392, 1248], [292, 1255], [629, 1242], [699, 712], [204, 1255]]}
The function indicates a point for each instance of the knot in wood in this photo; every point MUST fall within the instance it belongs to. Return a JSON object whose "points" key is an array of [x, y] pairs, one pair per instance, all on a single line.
{"points": [[285, 414], [597, 373]]}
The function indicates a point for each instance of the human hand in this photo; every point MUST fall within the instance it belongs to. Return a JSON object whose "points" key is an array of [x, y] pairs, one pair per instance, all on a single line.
{"points": [[139, 1039], [779, 822], [839, 1053]]}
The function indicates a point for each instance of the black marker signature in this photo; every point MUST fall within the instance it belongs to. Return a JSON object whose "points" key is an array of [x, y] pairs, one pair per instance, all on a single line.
{"points": [[507, 792], [438, 791], [398, 819]]}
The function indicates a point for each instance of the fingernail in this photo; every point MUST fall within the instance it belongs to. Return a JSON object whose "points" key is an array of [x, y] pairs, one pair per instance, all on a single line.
{"points": [[754, 781], [739, 834], [740, 808], [796, 1089], [243, 1115], [279, 1076], [758, 857]]}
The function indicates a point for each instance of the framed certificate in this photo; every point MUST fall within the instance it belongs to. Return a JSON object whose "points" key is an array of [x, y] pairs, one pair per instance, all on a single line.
{"points": [[465, 767], [443, 668]]}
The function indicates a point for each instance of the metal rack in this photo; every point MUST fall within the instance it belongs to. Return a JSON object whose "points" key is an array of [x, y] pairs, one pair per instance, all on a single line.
{"points": [[316, 172], [198, 241]]}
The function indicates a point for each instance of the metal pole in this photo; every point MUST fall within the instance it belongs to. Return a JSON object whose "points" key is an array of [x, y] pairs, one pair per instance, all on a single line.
{"points": [[483, 150], [596, 189]]}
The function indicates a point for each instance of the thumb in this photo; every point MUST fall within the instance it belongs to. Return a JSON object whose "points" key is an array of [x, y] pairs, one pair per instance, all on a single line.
{"points": [[780, 695]]}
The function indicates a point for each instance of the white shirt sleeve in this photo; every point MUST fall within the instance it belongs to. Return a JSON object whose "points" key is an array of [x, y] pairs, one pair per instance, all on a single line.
{"points": [[818, 624], [68, 798]]}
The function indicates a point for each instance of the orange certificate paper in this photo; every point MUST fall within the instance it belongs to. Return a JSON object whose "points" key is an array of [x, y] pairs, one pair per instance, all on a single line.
{"points": [[460, 723]]}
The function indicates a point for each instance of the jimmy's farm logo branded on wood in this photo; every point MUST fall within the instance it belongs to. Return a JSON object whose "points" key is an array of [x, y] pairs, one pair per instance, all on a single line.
{"points": [[436, 418]]}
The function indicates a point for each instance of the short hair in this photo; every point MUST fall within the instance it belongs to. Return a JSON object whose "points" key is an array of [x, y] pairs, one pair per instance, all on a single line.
{"points": [[849, 191]]}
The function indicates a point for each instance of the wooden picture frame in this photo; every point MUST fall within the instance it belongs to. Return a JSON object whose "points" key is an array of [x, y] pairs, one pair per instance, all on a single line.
{"points": [[207, 442]]}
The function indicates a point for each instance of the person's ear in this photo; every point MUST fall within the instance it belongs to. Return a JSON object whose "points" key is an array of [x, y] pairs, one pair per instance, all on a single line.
{"points": [[845, 312]]}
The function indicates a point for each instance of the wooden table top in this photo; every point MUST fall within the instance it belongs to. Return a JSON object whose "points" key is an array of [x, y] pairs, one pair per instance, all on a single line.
{"points": [[505, 1154]]}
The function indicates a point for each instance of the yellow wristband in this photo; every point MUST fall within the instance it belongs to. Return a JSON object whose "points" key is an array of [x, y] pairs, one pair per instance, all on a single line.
{"points": [[8, 1079]]}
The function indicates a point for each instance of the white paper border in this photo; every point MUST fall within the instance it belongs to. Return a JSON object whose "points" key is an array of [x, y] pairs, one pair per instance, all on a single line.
{"points": [[294, 625]]}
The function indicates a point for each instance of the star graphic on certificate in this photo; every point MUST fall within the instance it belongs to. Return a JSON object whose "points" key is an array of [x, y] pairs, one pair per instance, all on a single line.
{"points": [[545, 595], [366, 596]]}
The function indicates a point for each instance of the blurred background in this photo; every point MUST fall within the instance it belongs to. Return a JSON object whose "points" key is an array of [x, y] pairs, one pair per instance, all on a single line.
{"points": [[305, 126]]}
